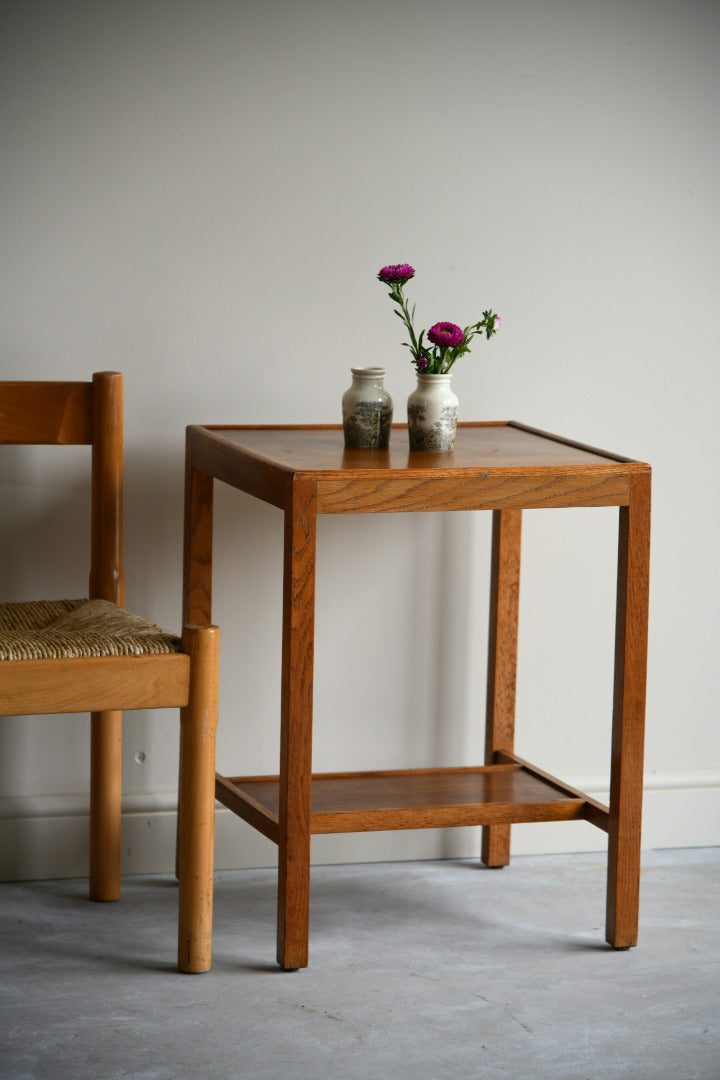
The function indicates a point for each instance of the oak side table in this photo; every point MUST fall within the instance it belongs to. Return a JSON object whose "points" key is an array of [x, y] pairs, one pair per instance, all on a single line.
{"points": [[502, 467]]}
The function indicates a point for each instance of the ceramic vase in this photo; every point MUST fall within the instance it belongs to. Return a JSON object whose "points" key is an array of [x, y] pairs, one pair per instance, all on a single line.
{"points": [[432, 413], [367, 409]]}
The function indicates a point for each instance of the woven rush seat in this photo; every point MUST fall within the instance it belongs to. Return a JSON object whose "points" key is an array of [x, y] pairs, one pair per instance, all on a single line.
{"points": [[70, 629]]}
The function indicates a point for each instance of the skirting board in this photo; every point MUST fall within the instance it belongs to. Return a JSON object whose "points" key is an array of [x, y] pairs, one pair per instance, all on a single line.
{"points": [[47, 837]]}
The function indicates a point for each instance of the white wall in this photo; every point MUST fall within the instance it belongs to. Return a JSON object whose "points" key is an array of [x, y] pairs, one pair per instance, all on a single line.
{"points": [[200, 194]]}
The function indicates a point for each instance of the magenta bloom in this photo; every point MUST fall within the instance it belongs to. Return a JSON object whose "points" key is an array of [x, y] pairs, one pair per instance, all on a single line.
{"points": [[397, 274], [422, 363], [445, 334]]}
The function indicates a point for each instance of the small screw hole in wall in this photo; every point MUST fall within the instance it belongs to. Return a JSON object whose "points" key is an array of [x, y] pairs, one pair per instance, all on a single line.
{"points": [[140, 757]]}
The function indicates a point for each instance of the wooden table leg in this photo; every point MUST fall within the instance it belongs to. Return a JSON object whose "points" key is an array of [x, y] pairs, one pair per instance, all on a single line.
{"points": [[197, 549], [502, 661], [197, 565], [296, 726], [626, 777]]}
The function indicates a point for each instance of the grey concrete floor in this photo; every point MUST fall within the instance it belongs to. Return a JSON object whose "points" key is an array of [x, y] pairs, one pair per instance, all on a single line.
{"points": [[418, 971]]}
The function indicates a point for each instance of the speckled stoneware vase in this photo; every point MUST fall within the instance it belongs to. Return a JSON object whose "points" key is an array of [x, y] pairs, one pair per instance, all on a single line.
{"points": [[432, 414], [367, 409]]}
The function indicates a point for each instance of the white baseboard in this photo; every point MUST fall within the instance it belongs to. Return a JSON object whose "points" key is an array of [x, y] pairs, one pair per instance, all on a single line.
{"points": [[46, 837]]}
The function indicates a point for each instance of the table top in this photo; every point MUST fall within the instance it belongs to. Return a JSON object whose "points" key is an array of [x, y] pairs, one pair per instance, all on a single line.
{"points": [[263, 460]]}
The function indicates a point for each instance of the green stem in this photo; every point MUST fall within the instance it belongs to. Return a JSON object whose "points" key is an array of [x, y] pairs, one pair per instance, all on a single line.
{"points": [[397, 296]]}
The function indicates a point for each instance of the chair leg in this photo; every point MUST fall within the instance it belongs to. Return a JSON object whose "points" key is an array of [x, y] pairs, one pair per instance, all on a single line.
{"points": [[105, 804], [196, 801]]}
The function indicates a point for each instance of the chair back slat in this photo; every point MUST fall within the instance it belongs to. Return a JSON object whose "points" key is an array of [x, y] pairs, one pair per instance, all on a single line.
{"points": [[46, 413], [107, 580]]}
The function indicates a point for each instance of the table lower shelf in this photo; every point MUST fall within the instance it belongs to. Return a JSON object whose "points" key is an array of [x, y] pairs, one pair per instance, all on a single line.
{"points": [[509, 792]]}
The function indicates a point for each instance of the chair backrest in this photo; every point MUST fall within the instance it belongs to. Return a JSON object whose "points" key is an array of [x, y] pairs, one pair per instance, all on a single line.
{"points": [[91, 413]]}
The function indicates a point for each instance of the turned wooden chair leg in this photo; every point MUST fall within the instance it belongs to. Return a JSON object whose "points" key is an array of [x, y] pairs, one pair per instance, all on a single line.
{"points": [[105, 804], [196, 804]]}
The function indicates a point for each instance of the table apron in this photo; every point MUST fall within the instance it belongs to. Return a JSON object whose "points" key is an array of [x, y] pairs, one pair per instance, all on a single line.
{"points": [[490, 491]]}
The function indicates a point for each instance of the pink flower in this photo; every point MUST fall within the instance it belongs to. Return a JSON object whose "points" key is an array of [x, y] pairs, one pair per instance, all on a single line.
{"points": [[397, 274], [445, 334]]}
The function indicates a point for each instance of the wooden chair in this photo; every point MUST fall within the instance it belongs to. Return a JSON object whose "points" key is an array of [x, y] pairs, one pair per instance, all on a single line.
{"points": [[73, 656]]}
